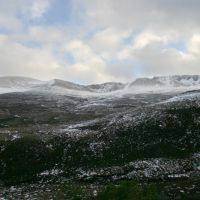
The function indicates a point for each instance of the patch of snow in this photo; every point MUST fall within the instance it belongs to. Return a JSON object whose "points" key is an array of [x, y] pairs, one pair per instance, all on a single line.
{"points": [[183, 97], [15, 137], [178, 176], [51, 172]]}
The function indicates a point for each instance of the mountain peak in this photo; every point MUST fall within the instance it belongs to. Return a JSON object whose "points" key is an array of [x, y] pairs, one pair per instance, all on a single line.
{"points": [[171, 81]]}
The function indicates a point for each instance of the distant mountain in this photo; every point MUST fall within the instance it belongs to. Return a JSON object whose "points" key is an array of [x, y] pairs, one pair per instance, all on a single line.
{"points": [[106, 87], [61, 85], [99, 88], [146, 82], [170, 81], [18, 82], [67, 85], [12, 84]]}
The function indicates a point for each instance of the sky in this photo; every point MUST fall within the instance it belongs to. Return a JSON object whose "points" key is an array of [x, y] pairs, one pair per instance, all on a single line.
{"points": [[96, 41]]}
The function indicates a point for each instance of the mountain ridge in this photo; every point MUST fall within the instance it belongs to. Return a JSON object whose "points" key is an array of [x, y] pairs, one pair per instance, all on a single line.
{"points": [[174, 81]]}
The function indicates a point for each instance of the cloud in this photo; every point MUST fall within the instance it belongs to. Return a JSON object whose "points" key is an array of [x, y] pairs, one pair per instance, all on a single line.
{"points": [[108, 42], [149, 50], [16, 59], [41, 62], [14, 13], [140, 14], [9, 23], [48, 34], [156, 26], [194, 44], [39, 8], [88, 66], [99, 41]]}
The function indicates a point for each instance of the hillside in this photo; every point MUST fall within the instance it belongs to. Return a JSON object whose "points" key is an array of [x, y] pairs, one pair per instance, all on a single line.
{"points": [[53, 137]]}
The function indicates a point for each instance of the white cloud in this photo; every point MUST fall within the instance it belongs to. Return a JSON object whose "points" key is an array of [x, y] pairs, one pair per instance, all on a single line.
{"points": [[39, 8], [105, 41], [176, 15], [155, 59], [16, 59], [48, 34], [9, 22], [108, 42], [147, 38], [88, 67], [194, 44], [40, 62]]}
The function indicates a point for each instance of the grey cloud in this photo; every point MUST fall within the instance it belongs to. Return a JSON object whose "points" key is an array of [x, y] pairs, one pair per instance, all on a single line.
{"points": [[99, 47], [142, 14]]}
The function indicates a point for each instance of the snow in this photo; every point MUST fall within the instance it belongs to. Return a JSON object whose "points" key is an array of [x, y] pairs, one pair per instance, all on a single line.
{"points": [[168, 81], [139, 86], [183, 97], [51, 172], [178, 176], [12, 90], [140, 169], [17, 84]]}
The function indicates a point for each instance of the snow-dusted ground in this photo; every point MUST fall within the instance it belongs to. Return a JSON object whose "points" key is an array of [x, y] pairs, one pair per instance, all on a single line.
{"points": [[11, 90], [99, 122], [17, 84], [183, 97]]}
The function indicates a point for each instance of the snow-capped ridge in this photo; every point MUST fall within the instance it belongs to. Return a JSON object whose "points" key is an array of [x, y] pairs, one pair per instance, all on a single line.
{"points": [[17, 82], [67, 85], [95, 88], [168, 81], [158, 84]]}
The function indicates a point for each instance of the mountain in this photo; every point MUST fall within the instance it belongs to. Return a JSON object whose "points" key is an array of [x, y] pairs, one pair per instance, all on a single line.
{"points": [[67, 85], [15, 84], [107, 87], [150, 137], [168, 81], [147, 137], [18, 82], [140, 85], [12, 84]]}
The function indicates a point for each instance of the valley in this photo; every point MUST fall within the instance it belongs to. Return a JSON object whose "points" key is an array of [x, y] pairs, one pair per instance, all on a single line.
{"points": [[57, 134]]}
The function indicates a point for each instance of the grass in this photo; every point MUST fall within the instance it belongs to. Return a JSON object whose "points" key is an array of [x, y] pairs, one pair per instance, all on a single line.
{"points": [[22, 159], [129, 190]]}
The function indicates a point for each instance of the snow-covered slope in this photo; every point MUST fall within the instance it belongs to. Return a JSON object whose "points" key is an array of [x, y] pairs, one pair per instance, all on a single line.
{"points": [[162, 84], [66, 85], [106, 87], [141, 85], [168, 81], [17, 84], [96, 88]]}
